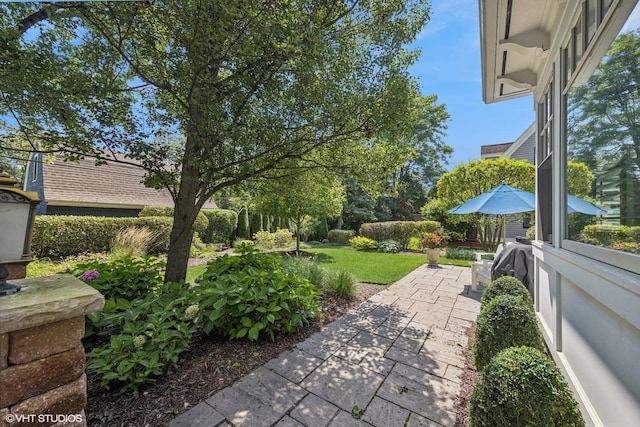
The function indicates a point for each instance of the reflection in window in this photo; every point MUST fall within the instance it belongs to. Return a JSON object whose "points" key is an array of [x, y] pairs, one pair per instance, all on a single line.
{"points": [[603, 133]]}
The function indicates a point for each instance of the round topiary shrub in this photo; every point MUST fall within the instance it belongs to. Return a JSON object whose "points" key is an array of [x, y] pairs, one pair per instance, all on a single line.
{"points": [[505, 321], [523, 387], [506, 285]]}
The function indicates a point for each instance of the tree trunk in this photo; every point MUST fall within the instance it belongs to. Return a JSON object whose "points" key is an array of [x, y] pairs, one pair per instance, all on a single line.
{"points": [[298, 223], [185, 212]]}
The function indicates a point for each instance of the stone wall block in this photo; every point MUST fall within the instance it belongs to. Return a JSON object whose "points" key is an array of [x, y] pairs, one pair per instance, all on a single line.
{"points": [[19, 382], [70, 399], [4, 351], [42, 341]]}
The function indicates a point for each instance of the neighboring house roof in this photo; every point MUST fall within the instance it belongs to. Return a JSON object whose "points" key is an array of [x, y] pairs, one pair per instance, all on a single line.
{"points": [[494, 148], [112, 185], [522, 148], [527, 136]]}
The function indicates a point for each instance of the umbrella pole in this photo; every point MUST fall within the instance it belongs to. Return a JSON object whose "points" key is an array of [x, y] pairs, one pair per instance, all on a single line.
{"points": [[504, 233]]}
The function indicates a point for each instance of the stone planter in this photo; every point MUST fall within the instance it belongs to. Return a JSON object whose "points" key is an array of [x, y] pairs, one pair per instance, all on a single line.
{"points": [[433, 255]]}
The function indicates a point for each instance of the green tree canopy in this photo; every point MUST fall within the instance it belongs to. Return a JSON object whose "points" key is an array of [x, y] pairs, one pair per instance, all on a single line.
{"points": [[310, 193], [247, 86]]}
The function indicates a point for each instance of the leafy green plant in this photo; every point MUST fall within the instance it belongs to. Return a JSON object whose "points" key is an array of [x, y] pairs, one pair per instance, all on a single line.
{"points": [[389, 247], [505, 321], [458, 253], [264, 239], [523, 387], [282, 238], [250, 295], [341, 237], [306, 268], [506, 285], [243, 245], [199, 249], [342, 284], [131, 242], [400, 231], [127, 278], [363, 243], [145, 337]]}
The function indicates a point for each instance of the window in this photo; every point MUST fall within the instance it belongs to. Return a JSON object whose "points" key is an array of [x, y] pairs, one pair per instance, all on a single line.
{"points": [[545, 154], [603, 154], [35, 164]]}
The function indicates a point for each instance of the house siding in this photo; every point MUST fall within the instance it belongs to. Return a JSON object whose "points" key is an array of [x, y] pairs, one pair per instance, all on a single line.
{"points": [[34, 181], [88, 211]]}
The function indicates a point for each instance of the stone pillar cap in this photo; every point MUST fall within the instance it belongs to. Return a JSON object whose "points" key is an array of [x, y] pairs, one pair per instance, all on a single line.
{"points": [[45, 300]]}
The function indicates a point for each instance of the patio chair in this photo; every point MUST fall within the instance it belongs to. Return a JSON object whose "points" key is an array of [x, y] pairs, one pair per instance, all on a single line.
{"points": [[481, 269]]}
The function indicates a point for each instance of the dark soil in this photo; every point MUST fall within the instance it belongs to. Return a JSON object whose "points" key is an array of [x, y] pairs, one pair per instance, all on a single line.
{"points": [[212, 364], [469, 377]]}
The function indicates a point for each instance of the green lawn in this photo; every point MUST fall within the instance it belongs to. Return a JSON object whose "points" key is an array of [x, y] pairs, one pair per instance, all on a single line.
{"points": [[373, 267], [193, 272]]}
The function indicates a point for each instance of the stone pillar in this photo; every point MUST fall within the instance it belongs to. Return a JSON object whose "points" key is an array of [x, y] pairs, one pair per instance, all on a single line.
{"points": [[42, 362]]}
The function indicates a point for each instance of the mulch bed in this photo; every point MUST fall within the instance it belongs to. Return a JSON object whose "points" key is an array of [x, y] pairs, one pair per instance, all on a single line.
{"points": [[212, 364]]}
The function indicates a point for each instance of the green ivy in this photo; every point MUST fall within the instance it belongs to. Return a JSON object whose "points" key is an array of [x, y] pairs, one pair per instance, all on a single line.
{"points": [[250, 296]]}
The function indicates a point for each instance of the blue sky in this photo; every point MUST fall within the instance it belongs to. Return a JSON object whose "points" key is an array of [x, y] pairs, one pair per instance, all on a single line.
{"points": [[449, 66]]}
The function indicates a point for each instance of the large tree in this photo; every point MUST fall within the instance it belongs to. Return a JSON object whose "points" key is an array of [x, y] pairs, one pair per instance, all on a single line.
{"points": [[604, 113], [249, 85]]}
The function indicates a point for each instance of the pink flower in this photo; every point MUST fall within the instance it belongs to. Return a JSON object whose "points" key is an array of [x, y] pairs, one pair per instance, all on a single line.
{"points": [[90, 275]]}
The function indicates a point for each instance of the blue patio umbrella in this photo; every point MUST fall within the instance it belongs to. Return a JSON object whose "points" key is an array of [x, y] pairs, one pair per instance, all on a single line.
{"points": [[576, 204], [504, 200], [501, 200]]}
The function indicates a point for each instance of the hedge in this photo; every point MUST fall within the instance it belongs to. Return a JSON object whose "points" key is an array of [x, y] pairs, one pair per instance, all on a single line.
{"points": [[400, 231], [341, 237], [60, 235], [222, 225], [523, 387], [199, 226], [605, 235], [505, 321]]}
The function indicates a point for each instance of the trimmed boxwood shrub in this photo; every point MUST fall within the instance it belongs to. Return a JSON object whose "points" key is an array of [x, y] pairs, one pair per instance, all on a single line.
{"points": [[61, 235], [523, 387], [222, 225], [341, 237], [506, 285], [505, 321], [400, 231]]}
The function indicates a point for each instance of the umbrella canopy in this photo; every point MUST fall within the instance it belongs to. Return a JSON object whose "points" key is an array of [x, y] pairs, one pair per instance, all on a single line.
{"points": [[576, 204], [504, 199], [501, 200]]}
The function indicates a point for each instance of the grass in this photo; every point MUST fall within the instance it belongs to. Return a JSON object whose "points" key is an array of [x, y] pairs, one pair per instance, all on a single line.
{"points": [[372, 267], [193, 272]]}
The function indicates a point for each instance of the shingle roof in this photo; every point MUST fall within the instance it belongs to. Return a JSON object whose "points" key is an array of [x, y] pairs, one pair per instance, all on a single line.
{"points": [[494, 148], [114, 184]]}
